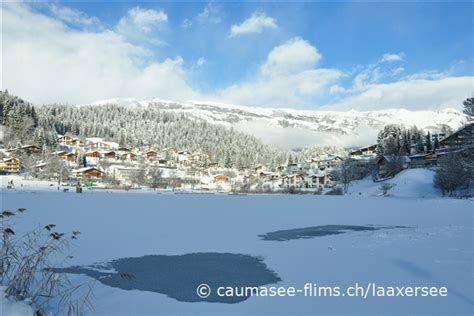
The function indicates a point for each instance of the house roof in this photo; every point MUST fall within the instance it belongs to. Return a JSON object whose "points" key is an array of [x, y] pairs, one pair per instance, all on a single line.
{"points": [[85, 169]]}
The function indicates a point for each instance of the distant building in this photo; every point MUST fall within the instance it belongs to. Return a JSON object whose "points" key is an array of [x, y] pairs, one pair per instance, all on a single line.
{"points": [[88, 173], [220, 178], [10, 165], [389, 165], [464, 137], [369, 151]]}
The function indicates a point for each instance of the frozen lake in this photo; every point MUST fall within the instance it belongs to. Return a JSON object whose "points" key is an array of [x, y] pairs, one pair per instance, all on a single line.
{"points": [[387, 241]]}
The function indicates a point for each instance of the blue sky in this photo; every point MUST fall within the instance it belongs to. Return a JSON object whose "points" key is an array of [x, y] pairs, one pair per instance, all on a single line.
{"points": [[306, 55]]}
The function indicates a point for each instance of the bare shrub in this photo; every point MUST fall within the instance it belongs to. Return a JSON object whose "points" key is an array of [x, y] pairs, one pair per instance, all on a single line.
{"points": [[27, 270]]}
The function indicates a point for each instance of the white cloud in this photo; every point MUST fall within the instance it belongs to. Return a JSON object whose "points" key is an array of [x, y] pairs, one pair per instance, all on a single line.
{"points": [[288, 77], [413, 94], [45, 61], [392, 57], [293, 56], [138, 24], [254, 24], [201, 61], [211, 14], [73, 17], [336, 89]]}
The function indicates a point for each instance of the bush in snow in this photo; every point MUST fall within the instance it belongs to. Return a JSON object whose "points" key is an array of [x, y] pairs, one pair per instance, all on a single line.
{"points": [[26, 270], [454, 173]]}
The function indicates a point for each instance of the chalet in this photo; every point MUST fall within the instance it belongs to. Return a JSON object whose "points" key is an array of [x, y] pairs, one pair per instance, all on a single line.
{"points": [[10, 165], [40, 167], [71, 157], [329, 162], [64, 139], [99, 145], [150, 154], [464, 137], [389, 165], [124, 149], [361, 166], [294, 180], [315, 180], [93, 154], [363, 152], [130, 156], [110, 155], [61, 154], [267, 176], [220, 178], [76, 142], [212, 165], [88, 173], [423, 160], [30, 149]]}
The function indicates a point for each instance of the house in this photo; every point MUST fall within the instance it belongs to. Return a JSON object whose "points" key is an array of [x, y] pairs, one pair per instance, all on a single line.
{"points": [[40, 167], [30, 149], [61, 154], [110, 155], [423, 160], [220, 178], [130, 156], [368, 151], [212, 165], [150, 154], [10, 165], [360, 166], [124, 173], [315, 180], [294, 180], [293, 168], [267, 176], [329, 162], [76, 142], [93, 154], [389, 165], [463, 137], [64, 139], [196, 157], [71, 157], [88, 173], [99, 145]]}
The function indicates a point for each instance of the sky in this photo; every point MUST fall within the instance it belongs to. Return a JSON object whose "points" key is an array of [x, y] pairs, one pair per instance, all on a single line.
{"points": [[305, 55]]}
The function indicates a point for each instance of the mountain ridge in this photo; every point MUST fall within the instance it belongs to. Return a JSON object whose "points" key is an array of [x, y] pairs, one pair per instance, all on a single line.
{"points": [[289, 128]]}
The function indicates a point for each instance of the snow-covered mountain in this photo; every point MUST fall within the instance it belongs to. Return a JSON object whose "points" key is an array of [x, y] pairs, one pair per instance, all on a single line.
{"points": [[291, 128]]}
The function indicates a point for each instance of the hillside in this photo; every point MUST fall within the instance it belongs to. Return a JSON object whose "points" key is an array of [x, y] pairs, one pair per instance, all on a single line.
{"points": [[411, 183], [291, 128]]}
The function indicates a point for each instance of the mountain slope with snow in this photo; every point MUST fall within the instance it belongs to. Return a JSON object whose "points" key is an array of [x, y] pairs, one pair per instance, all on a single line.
{"points": [[291, 128]]}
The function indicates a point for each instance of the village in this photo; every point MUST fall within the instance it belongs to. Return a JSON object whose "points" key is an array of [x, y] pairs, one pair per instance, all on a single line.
{"points": [[97, 163]]}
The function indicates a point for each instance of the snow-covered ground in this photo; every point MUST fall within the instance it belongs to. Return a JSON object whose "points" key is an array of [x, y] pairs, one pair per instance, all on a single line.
{"points": [[436, 248], [9, 307], [412, 183]]}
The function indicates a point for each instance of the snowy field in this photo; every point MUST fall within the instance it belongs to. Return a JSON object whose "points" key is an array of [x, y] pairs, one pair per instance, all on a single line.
{"points": [[435, 248]]}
